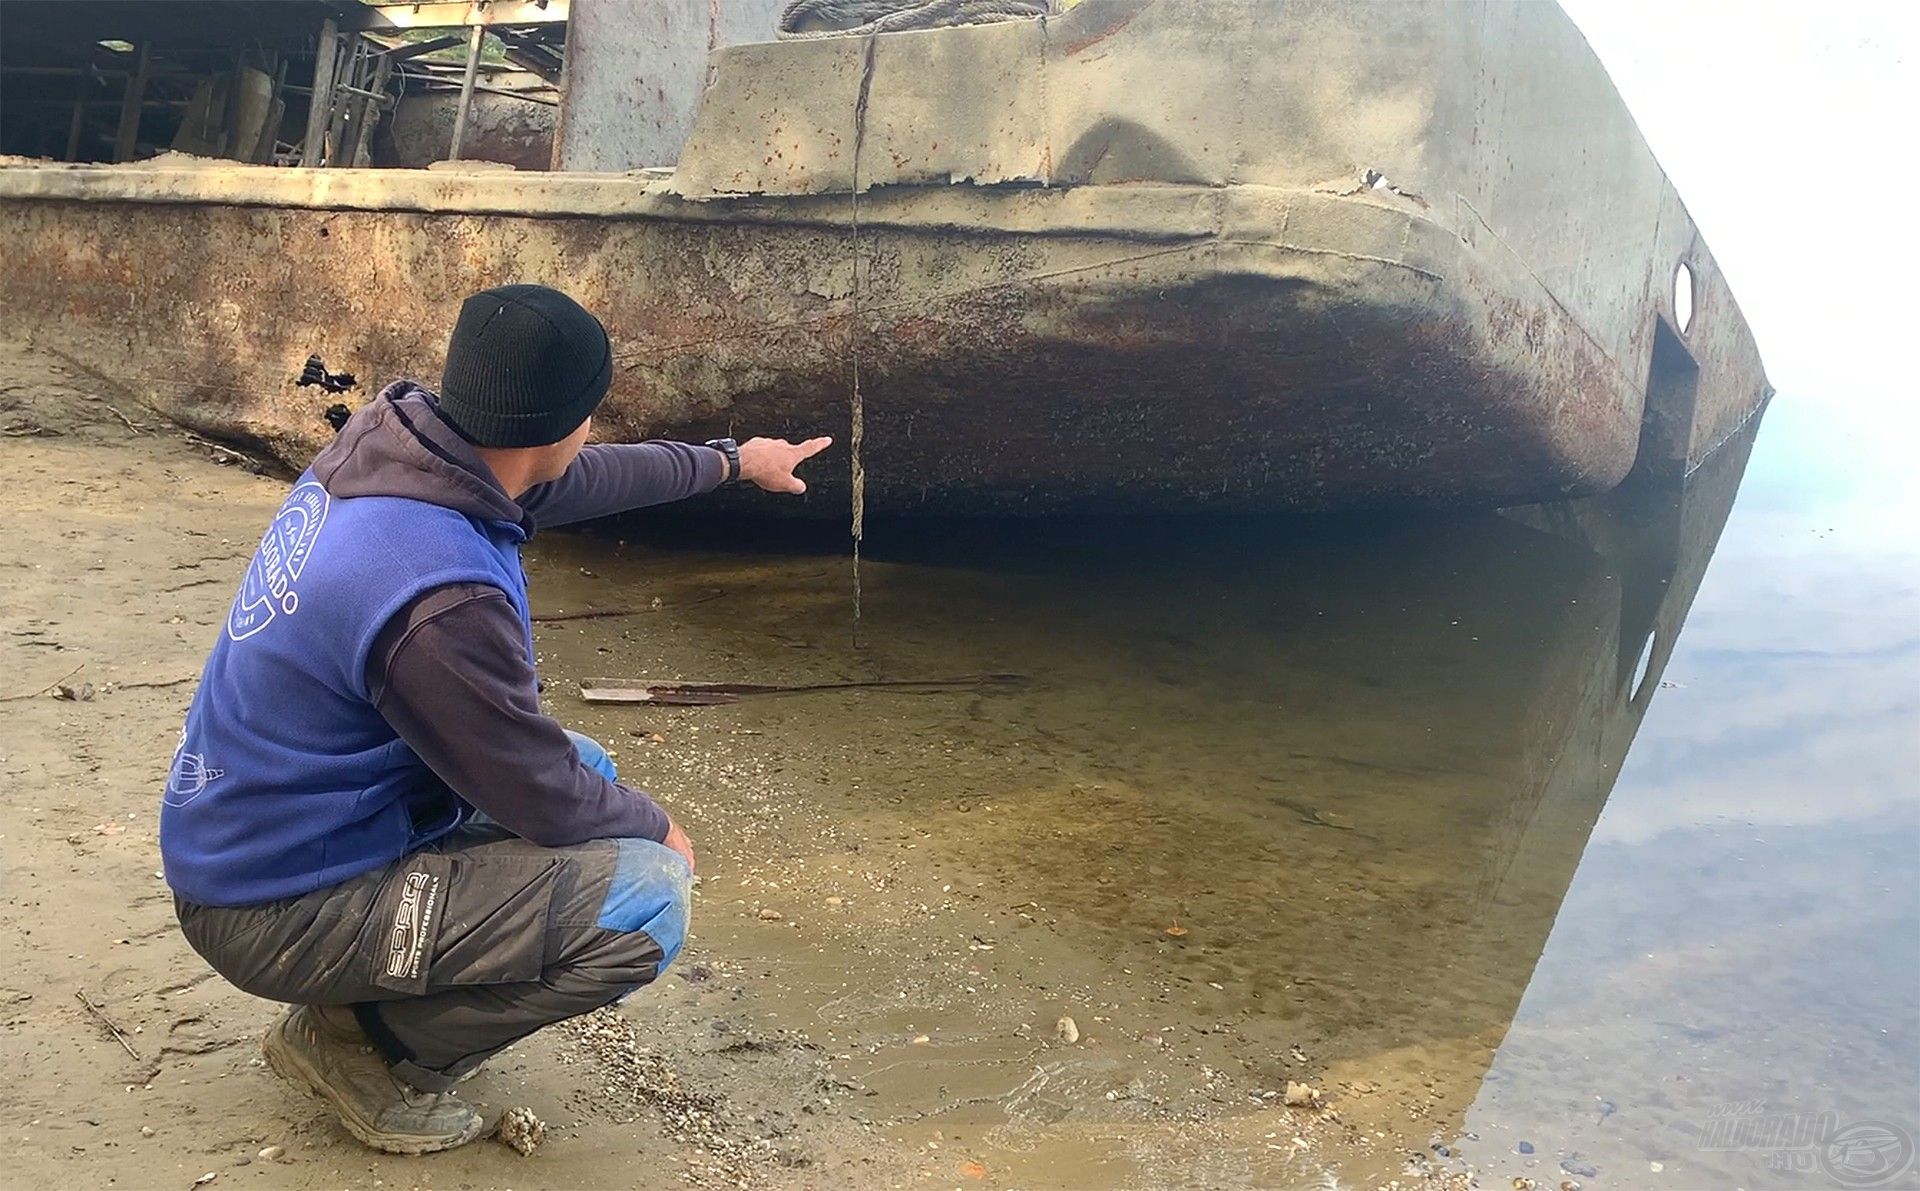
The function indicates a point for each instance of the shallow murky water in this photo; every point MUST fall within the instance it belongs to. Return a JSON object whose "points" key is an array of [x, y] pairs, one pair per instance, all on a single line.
{"points": [[1593, 844]]}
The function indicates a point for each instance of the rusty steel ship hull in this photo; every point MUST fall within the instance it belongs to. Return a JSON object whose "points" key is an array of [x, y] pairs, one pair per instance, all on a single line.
{"points": [[1150, 255]]}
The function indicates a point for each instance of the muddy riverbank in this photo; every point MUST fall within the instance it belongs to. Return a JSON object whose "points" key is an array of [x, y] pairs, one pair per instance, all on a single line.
{"points": [[1444, 817], [901, 895]]}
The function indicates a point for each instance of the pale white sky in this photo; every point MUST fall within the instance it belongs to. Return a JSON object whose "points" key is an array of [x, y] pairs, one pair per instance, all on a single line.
{"points": [[1789, 128]]}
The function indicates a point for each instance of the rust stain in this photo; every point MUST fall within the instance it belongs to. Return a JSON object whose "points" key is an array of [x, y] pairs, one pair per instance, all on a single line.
{"points": [[1252, 382], [1074, 48]]}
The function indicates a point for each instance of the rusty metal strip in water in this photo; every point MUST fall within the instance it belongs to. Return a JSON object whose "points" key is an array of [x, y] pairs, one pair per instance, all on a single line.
{"points": [[857, 410]]}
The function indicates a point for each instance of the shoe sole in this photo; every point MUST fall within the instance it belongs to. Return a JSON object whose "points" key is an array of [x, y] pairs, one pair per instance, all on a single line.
{"points": [[289, 1064]]}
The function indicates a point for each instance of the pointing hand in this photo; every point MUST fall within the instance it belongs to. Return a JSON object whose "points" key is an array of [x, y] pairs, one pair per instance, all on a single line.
{"points": [[768, 463]]}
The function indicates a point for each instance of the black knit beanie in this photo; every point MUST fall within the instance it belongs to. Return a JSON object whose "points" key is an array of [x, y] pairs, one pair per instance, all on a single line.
{"points": [[526, 365]]}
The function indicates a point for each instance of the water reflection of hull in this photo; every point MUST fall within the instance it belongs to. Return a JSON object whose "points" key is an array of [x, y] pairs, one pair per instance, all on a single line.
{"points": [[1658, 539], [1311, 783], [1361, 762], [1575, 719]]}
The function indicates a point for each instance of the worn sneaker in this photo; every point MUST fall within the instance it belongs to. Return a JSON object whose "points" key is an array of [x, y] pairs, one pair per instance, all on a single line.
{"points": [[322, 1049]]}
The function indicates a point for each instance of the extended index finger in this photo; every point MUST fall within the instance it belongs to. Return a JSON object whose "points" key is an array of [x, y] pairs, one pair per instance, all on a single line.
{"points": [[813, 446]]}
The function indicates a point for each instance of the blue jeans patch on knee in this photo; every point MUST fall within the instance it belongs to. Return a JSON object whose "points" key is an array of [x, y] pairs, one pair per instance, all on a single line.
{"points": [[592, 755], [651, 891]]}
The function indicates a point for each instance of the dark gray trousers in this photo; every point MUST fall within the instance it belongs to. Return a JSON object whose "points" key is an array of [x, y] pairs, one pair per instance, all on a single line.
{"points": [[463, 948]]}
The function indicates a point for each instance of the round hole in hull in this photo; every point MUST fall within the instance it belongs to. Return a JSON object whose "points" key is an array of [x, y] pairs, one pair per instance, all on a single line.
{"points": [[1683, 297]]}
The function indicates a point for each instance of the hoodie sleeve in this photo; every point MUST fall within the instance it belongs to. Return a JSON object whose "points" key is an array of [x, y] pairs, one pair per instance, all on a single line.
{"points": [[450, 674], [610, 478]]}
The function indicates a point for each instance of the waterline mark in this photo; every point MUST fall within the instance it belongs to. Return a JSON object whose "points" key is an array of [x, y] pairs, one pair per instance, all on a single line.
{"points": [[1851, 1153]]}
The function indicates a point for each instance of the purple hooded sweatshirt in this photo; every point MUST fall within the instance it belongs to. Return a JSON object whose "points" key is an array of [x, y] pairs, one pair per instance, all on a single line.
{"points": [[449, 672]]}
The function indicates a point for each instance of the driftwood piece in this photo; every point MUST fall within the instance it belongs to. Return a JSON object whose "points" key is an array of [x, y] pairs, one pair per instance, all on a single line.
{"points": [[43, 690], [589, 614], [623, 610], [106, 1021], [711, 694]]}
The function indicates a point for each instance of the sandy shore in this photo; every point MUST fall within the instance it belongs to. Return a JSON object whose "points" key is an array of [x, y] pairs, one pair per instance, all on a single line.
{"points": [[868, 999]]}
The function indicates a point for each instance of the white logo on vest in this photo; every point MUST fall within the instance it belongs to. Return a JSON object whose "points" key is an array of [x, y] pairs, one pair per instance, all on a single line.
{"points": [[267, 590], [191, 774]]}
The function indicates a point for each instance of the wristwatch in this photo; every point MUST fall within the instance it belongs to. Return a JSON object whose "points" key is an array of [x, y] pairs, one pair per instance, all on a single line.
{"points": [[731, 450]]}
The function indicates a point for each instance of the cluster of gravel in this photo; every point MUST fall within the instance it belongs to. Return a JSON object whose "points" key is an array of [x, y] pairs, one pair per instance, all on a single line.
{"points": [[630, 1082]]}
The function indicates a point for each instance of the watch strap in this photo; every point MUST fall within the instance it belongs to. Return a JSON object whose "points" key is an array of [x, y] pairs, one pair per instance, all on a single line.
{"points": [[731, 449]]}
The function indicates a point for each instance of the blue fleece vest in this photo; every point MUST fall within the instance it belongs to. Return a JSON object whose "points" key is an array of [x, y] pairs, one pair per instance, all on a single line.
{"points": [[287, 778]]}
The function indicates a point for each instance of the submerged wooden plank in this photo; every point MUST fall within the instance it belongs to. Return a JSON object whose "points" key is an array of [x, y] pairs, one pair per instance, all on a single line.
{"points": [[708, 694]]}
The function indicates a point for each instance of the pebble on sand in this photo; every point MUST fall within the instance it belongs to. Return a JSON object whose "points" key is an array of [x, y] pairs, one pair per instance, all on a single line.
{"points": [[770, 915], [1067, 1030], [1302, 1095], [520, 1129]]}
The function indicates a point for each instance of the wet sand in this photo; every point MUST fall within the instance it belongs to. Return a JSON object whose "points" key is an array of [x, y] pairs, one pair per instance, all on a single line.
{"points": [[1257, 816]]}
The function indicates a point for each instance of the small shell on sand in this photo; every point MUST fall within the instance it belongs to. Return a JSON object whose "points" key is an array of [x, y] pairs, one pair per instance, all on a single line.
{"points": [[520, 1129]]}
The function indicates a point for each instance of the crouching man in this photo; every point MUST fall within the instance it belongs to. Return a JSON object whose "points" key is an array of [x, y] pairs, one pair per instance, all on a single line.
{"points": [[369, 816]]}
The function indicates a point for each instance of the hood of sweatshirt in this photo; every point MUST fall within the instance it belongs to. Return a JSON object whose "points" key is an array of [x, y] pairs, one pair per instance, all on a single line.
{"points": [[398, 444]]}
